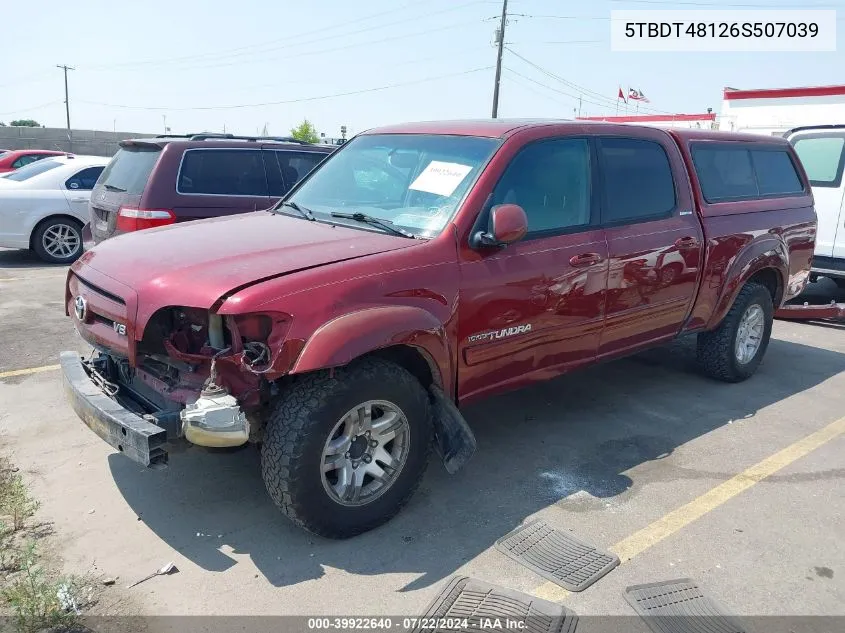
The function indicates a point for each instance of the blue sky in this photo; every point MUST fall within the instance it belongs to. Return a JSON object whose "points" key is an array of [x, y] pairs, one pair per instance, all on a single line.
{"points": [[139, 61]]}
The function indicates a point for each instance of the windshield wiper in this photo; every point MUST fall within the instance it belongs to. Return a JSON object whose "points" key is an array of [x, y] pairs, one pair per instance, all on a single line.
{"points": [[113, 188], [305, 212], [369, 219]]}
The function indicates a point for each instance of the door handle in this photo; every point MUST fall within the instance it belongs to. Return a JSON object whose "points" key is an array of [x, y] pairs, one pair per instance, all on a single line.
{"points": [[686, 242], [585, 259], [79, 199]]}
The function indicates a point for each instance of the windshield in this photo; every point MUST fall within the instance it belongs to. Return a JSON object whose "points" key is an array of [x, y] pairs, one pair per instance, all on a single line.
{"points": [[34, 169], [414, 181]]}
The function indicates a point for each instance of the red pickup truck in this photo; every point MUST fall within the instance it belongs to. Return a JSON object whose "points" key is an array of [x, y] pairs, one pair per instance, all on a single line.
{"points": [[418, 268]]}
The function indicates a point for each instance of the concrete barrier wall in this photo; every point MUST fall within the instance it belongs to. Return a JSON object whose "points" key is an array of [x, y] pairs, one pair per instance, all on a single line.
{"points": [[92, 142]]}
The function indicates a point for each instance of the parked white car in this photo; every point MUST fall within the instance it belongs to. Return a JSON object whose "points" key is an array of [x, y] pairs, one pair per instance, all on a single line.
{"points": [[44, 205]]}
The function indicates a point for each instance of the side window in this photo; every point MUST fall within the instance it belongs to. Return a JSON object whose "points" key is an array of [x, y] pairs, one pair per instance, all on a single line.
{"points": [[550, 180], [296, 165], [725, 173], [638, 182], [25, 160], [85, 179], [222, 172], [823, 159], [744, 173], [776, 174]]}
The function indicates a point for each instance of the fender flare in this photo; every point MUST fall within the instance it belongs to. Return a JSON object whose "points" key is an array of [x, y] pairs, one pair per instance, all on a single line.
{"points": [[354, 334], [769, 252]]}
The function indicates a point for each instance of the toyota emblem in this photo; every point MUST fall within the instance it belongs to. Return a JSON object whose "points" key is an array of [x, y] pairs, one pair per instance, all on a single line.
{"points": [[80, 307]]}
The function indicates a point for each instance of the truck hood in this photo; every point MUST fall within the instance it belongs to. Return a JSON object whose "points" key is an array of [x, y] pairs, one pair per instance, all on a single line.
{"points": [[197, 263]]}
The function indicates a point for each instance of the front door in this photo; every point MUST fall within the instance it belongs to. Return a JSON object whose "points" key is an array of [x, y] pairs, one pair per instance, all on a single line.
{"points": [[535, 309], [654, 239], [822, 152]]}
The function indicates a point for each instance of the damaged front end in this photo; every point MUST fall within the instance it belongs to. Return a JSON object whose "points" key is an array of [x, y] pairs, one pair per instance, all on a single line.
{"points": [[195, 375]]}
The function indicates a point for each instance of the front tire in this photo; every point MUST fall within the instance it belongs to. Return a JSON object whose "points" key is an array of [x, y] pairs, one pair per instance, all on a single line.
{"points": [[58, 240], [733, 351], [344, 452]]}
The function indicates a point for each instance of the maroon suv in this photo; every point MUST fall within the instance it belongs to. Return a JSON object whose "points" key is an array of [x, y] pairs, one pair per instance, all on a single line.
{"points": [[163, 180]]}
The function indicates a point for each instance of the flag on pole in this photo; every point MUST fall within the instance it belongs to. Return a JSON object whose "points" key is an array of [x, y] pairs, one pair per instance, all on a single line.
{"points": [[637, 95], [621, 95]]}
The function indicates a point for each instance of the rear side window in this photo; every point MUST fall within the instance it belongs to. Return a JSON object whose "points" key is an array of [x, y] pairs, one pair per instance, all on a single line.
{"points": [[638, 182], [27, 159], [776, 174], [741, 173], [130, 169], [85, 179], [286, 168], [33, 169], [222, 172], [823, 158]]}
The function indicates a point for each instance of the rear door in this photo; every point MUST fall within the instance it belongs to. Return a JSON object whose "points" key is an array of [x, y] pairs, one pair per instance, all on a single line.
{"points": [[215, 181], [77, 189], [822, 152], [654, 238], [121, 184]]}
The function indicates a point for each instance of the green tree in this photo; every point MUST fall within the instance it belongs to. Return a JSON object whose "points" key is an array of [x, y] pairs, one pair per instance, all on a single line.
{"points": [[305, 132], [25, 123]]}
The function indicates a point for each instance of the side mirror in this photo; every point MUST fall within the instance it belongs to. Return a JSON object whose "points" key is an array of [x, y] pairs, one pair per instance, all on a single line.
{"points": [[508, 224]]}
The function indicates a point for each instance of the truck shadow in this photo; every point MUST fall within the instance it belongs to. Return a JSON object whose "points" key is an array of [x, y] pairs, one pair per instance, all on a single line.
{"points": [[568, 442]]}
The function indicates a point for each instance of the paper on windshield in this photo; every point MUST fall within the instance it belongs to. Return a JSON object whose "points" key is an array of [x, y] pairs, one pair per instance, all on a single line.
{"points": [[440, 178]]}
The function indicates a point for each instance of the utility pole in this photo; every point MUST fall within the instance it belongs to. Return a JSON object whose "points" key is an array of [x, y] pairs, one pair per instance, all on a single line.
{"points": [[501, 42], [67, 106]]}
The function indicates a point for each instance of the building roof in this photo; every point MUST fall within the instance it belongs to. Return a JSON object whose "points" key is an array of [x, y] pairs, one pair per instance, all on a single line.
{"points": [[732, 94]]}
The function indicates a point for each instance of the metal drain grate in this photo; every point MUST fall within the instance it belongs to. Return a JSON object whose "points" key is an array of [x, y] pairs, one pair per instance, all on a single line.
{"points": [[467, 604], [679, 606], [557, 556]]}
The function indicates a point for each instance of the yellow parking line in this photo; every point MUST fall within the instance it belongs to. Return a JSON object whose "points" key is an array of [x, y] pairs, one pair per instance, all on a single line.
{"points": [[679, 518], [26, 372]]}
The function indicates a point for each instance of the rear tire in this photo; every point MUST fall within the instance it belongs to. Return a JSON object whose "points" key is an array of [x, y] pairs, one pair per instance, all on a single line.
{"points": [[58, 240], [718, 351], [306, 417]]}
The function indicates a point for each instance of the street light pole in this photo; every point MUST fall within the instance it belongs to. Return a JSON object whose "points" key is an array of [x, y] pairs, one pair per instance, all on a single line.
{"points": [[67, 105]]}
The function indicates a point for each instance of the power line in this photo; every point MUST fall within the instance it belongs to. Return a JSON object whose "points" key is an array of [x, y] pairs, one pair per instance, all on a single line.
{"points": [[336, 48], [567, 94], [287, 101], [575, 86], [529, 88], [271, 45], [25, 110], [719, 5], [28, 79]]}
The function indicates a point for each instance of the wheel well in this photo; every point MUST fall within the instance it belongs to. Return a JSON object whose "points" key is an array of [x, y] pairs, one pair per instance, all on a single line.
{"points": [[411, 358], [770, 279], [57, 216]]}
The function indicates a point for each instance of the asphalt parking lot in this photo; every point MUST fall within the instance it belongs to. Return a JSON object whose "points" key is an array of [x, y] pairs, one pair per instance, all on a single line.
{"points": [[737, 486]]}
